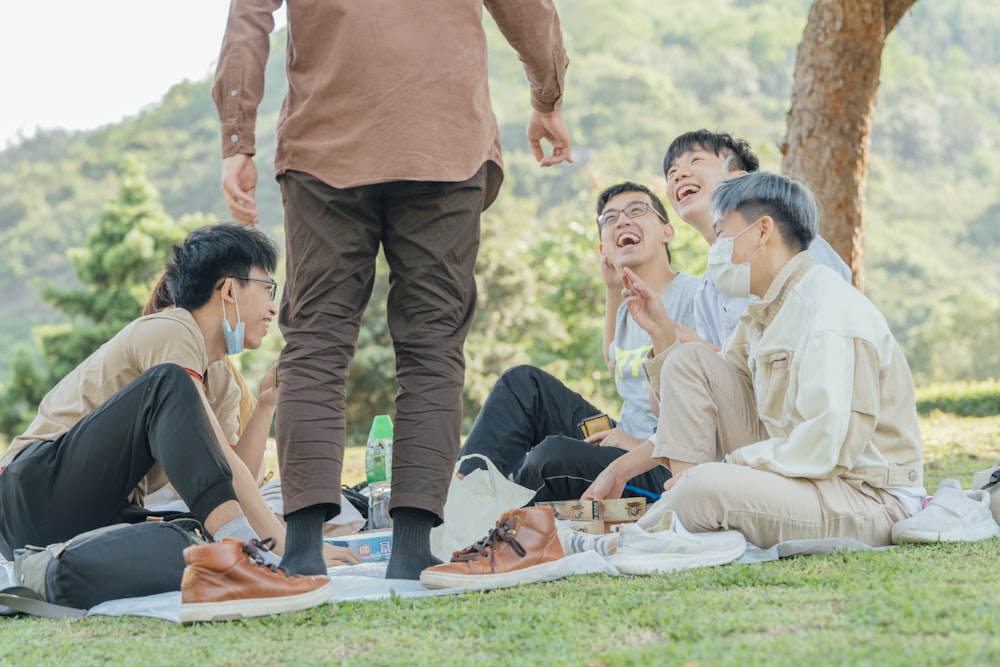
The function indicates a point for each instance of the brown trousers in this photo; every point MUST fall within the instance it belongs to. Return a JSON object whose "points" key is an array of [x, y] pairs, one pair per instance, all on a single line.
{"points": [[430, 235]]}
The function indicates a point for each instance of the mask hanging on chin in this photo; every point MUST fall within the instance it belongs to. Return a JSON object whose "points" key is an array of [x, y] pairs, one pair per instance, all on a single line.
{"points": [[234, 339], [732, 279]]}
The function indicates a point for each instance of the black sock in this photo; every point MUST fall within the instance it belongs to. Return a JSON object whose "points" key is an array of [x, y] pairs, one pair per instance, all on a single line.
{"points": [[411, 543], [304, 541]]}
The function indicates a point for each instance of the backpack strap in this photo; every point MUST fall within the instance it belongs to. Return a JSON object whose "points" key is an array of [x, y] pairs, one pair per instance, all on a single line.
{"points": [[22, 600]]}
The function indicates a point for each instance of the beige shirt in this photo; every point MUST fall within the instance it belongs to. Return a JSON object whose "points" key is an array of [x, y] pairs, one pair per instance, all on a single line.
{"points": [[168, 337], [381, 91]]}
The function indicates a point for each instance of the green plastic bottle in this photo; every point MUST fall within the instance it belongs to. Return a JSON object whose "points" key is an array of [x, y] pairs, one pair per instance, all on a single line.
{"points": [[378, 469]]}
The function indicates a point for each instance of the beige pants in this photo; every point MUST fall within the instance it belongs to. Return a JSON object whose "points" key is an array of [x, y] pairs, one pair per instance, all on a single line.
{"points": [[707, 410]]}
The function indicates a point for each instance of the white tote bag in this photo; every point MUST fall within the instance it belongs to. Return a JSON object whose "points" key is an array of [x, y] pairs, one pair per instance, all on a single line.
{"points": [[473, 506]]}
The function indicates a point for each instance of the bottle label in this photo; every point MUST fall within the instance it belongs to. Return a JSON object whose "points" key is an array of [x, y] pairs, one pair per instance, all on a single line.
{"points": [[378, 460]]}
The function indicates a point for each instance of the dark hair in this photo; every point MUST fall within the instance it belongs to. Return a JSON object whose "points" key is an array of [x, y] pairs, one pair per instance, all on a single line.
{"points": [[214, 252], [629, 186], [159, 298], [789, 203], [737, 152]]}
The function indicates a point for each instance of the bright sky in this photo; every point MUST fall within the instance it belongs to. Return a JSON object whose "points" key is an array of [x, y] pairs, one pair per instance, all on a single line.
{"points": [[78, 65]]}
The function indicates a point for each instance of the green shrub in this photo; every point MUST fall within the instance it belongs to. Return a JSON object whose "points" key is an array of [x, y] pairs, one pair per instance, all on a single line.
{"points": [[965, 399]]}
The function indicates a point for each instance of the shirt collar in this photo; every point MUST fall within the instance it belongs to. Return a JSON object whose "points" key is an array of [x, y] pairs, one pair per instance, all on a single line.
{"points": [[763, 311]]}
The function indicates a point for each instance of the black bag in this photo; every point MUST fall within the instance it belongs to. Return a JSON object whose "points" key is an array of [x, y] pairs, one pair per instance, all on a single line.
{"points": [[120, 561], [356, 497]]}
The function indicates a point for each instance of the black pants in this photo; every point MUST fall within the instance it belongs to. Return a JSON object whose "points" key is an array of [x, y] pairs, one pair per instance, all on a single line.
{"points": [[56, 489], [528, 427]]}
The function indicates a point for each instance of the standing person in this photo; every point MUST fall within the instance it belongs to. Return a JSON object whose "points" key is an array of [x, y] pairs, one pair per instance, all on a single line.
{"points": [[386, 137], [529, 425], [804, 426]]}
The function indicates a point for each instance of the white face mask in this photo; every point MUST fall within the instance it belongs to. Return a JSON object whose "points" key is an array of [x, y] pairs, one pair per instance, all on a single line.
{"points": [[731, 279], [234, 339]]}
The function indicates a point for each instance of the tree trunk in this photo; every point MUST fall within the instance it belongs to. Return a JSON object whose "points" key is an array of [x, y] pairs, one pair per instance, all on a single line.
{"points": [[830, 120]]}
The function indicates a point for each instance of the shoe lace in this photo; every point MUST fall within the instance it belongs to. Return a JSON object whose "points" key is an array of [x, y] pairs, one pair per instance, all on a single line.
{"points": [[255, 548], [504, 532]]}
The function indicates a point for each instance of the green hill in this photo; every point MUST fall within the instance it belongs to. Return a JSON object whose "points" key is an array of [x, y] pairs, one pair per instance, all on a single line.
{"points": [[641, 72]]}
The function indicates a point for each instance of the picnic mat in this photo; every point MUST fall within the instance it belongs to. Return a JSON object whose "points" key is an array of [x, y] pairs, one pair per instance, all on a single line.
{"points": [[367, 581]]}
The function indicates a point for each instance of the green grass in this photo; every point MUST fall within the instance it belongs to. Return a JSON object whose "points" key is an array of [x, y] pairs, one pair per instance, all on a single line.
{"points": [[911, 606]]}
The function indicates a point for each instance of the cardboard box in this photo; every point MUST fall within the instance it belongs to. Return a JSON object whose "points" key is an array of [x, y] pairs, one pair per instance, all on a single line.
{"points": [[371, 546], [615, 510], [590, 527]]}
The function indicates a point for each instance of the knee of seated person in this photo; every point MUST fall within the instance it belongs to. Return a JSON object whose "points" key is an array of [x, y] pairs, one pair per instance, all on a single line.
{"points": [[519, 373], [689, 363], [689, 356], [699, 485], [516, 373], [169, 370]]}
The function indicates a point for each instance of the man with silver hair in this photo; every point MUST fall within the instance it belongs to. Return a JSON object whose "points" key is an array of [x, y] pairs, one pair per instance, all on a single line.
{"points": [[804, 426]]}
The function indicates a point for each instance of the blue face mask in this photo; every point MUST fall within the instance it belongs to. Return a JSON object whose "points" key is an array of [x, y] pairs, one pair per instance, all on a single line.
{"points": [[234, 339]]}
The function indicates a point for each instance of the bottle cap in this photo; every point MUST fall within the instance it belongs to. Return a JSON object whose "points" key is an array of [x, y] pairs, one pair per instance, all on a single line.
{"points": [[381, 427]]}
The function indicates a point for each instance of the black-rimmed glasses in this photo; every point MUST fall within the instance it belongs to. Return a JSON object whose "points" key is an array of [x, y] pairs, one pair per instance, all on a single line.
{"points": [[633, 210], [272, 285]]}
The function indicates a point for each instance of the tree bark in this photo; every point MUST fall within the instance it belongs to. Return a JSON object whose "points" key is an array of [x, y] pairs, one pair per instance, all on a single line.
{"points": [[830, 120]]}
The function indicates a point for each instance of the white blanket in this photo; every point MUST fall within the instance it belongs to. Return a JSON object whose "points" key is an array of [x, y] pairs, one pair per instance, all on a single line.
{"points": [[367, 581]]}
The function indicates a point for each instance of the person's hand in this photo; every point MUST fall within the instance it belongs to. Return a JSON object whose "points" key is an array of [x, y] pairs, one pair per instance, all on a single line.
{"points": [[614, 437], [609, 273], [239, 180], [337, 556], [549, 126], [605, 486], [647, 310], [268, 395]]}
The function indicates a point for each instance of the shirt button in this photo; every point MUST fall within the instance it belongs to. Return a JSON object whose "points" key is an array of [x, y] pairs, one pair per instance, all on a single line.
{"points": [[234, 138], [233, 93], [912, 476]]}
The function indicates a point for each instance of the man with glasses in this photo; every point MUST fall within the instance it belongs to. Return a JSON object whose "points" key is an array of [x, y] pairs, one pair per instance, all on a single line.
{"points": [[529, 425], [156, 405]]}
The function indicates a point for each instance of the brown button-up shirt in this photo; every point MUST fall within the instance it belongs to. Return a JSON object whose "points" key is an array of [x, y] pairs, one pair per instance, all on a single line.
{"points": [[383, 90]]}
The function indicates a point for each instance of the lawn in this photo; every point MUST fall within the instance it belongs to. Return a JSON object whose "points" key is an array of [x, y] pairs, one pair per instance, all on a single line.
{"points": [[911, 606]]}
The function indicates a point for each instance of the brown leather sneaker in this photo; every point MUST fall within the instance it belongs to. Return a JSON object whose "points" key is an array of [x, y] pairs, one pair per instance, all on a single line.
{"points": [[229, 580], [523, 549]]}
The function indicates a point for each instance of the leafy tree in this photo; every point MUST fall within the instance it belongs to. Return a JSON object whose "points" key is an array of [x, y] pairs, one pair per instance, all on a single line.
{"points": [[123, 256], [830, 120], [27, 387]]}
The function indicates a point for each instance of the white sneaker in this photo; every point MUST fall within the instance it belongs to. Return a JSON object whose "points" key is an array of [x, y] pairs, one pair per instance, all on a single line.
{"points": [[668, 547], [952, 515]]}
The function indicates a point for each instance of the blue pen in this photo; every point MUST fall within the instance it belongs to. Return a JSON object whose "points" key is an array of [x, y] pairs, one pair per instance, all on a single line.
{"points": [[642, 492]]}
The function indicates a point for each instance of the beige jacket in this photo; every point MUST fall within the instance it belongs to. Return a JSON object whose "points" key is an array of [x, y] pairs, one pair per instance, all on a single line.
{"points": [[832, 386]]}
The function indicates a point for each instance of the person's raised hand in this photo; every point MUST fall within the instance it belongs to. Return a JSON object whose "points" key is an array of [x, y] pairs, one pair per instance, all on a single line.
{"points": [[268, 394], [609, 272], [647, 310]]}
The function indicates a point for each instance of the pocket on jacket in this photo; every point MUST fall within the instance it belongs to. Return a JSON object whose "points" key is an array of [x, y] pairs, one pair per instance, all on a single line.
{"points": [[773, 381]]}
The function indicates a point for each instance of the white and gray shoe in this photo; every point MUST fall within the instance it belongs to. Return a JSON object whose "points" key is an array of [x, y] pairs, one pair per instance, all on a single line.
{"points": [[952, 515], [669, 547]]}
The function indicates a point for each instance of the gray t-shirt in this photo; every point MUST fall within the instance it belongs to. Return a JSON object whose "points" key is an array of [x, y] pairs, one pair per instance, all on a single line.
{"points": [[631, 347]]}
